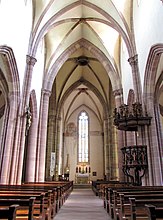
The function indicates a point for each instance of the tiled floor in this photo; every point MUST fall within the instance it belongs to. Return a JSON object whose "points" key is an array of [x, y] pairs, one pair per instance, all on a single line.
{"points": [[82, 204]]}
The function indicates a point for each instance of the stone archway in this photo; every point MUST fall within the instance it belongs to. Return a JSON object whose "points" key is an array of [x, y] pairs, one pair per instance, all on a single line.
{"points": [[151, 84], [12, 95]]}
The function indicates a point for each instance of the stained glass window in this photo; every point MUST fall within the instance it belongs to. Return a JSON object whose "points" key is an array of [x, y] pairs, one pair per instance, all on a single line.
{"points": [[83, 138]]}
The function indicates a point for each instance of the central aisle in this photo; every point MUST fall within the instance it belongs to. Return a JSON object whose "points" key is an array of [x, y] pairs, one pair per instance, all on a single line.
{"points": [[82, 204]]}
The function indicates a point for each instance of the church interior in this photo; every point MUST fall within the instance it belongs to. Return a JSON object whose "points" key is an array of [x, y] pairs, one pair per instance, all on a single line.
{"points": [[81, 96]]}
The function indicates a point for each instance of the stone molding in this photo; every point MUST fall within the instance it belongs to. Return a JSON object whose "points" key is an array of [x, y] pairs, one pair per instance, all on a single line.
{"points": [[46, 92], [30, 60], [118, 92], [133, 60]]}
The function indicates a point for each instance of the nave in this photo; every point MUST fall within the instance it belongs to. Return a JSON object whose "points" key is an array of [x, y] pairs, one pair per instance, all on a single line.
{"points": [[82, 204]]}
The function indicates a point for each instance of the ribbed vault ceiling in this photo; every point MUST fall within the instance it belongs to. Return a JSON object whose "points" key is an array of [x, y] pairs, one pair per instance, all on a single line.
{"points": [[82, 80]]}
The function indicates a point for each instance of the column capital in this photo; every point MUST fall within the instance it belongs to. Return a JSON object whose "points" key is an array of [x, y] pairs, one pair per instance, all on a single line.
{"points": [[46, 92], [30, 60], [133, 60], [118, 92]]}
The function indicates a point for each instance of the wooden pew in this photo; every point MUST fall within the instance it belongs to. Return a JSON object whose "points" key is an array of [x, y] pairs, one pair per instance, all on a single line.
{"points": [[134, 208], [8, 213], [154, 212], [110, 197], [139, 210], [52, 201], [39, 207], [122, 207], [99, 185], [55, 193], [63, 189], [25, 208], [44, 203]]}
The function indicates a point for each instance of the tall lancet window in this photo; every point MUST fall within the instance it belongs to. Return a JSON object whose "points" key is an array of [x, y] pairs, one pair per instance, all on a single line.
{"points": [[83, 138]]}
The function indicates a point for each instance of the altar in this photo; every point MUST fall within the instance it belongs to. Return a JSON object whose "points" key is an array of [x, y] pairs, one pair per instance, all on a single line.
{"points": [[82, 178]]}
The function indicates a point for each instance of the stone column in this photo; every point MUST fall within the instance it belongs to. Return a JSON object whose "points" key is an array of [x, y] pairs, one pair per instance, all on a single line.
{"points": [[106, 149], [118, 94], [154, 146], [159, 139], [18, 155], [42, 136], [60, 147], [115, 170], [27, 82], [136, 77], [51, 133], [31, 152], [112, 150], [57, 145], [50, 143], [8, 148], [25, 102]]}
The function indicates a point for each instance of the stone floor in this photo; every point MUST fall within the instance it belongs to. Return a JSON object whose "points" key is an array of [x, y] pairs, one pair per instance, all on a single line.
{"points": [[82, 204]]}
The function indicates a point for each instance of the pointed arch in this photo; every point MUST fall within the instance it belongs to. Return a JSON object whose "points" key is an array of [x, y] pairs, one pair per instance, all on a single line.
{"points": [[113, 75], [12, 93], [12, 71], [151, 68], [91, 86], [152, 107]]}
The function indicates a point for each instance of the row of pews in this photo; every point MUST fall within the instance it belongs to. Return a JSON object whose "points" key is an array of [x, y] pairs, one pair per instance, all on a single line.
{"points": [[99, 185], [33, 200], [131, 202]]}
